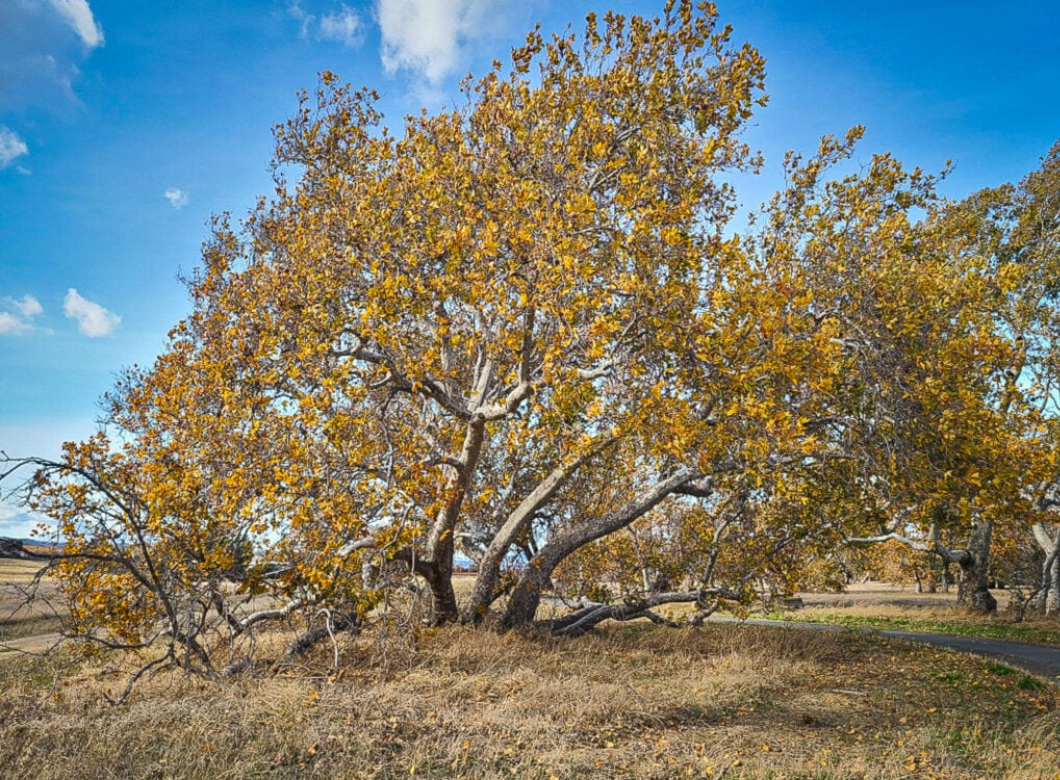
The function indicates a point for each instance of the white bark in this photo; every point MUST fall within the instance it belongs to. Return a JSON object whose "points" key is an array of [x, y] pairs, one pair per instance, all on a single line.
{"points": [[1049, 600]]}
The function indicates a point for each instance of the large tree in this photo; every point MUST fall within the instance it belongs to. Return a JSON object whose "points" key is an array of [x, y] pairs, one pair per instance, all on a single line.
{"points": [[523, 329], [517, 325], [931, 436]]}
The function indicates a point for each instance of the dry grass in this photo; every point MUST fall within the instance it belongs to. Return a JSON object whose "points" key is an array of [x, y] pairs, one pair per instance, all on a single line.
{"points": [[883, 607], [727, 701], [24, 621], [872, 593]]}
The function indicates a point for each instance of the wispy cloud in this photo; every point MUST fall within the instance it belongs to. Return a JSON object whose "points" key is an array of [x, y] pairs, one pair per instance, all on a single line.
{"points": [[15, 523], [177, 197], [342, 25], [428, 36], [92, 319], [78, 15], [305, 19], [11, 146], [42, 43], [16, 316]]}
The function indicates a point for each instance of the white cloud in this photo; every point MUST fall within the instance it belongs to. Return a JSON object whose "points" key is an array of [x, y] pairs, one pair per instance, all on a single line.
{"points": [[11, 146], [7, 513], [343, 26], [92, 319], [10, 325], [177, 197], [428, 35], [305, 19], [79, 16], [16, 318], [16, 524], [42, 43], [29, 306]]}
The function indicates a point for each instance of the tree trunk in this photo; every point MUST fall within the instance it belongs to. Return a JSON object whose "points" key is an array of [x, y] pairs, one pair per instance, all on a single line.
{"points": [[1051, 580], [489, 573], [525, 598], [441, 545], [444, 608], [1049, 599], [974, 587], [482, 593]]}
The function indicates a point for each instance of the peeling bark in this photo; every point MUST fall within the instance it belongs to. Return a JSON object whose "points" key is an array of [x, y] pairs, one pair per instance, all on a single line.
{"points": [[974, 587], [1048, 600]]}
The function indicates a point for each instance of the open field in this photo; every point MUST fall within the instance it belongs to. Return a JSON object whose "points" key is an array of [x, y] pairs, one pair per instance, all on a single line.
{"points": [[33, 627], [627, 701], [873, 593], [632, 700], [876, 605]]}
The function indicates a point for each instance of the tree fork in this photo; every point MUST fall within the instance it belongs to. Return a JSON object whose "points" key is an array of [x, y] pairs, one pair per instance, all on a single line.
{"points": [[974, 588], [526, 597]]}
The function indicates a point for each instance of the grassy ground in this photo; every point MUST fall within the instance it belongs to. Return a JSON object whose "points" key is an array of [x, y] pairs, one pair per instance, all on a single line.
{"points": [[22, 625], [629, 701], [1038, 631]]}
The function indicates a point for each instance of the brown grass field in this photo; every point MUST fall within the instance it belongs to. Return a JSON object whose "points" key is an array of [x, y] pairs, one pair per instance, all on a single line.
{"points": [[632, 700], [34, 627]]}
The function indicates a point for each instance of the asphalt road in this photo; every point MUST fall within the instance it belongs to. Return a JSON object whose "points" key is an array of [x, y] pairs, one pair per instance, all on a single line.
{"points": [[1036, 659]]}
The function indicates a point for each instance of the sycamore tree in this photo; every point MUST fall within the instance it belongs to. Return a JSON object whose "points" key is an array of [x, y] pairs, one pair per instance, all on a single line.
{"points": [[516, 326], [1013, 232], [521, 330], [929, 438]]}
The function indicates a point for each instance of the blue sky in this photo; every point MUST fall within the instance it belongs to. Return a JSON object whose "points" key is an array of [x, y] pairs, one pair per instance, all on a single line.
{"points": [[125, 125]]}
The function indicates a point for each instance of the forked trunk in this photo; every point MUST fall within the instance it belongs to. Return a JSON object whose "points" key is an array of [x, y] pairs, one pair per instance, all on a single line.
{"points": [[974, 588], [526, 597], [485, 590]]}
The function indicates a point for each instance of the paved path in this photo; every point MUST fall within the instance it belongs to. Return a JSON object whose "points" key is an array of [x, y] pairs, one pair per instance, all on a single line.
{"points": [[1043, 661]]}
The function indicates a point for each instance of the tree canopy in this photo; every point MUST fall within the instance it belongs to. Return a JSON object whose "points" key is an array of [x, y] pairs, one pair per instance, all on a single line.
{"points": [[523, 333]]}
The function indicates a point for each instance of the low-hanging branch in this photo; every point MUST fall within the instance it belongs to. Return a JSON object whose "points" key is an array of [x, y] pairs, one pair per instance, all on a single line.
{"points": [[593, 614]]}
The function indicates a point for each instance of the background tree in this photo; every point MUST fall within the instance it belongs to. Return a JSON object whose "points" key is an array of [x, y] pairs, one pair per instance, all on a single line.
{"points": [[1014, 235], [928, 432]]}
